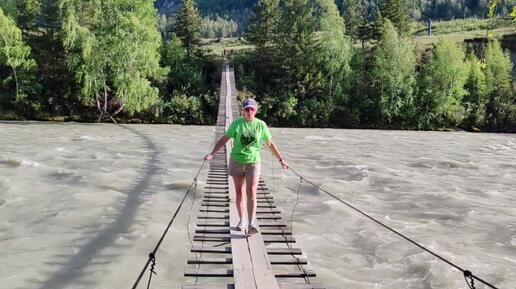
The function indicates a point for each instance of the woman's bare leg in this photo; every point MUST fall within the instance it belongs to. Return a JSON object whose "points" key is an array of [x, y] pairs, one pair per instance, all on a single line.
{"points": [[240, 189], [251, 187]]}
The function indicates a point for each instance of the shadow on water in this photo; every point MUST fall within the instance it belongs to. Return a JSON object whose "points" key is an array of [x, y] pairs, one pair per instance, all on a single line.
{"points": [[72, 270]]}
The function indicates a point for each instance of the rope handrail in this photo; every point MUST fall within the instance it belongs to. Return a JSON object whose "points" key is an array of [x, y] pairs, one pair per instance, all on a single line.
{"points": [[152, 255], [468, 275]]}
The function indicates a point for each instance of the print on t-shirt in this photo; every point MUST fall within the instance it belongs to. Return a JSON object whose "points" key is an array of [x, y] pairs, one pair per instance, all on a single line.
{"points": [[248, 137]]}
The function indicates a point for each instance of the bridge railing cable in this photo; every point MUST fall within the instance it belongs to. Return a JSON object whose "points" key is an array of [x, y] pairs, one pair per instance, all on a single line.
{"points": [[152, 256], [468, 275]]}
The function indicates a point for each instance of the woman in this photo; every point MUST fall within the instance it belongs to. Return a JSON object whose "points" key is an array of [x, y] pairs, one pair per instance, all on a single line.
{"points": [[244, 163]]}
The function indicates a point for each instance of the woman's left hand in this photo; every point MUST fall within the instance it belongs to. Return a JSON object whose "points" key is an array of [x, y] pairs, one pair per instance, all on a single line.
{"points": [[284, 164]]}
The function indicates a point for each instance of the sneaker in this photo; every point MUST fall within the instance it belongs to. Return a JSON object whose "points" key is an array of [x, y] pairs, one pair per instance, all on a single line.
{"points": [[241, 225], [253, 229]]}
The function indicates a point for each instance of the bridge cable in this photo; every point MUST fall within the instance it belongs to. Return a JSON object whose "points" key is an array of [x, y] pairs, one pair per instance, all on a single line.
{"points": [[468, 275], [152, 256]]}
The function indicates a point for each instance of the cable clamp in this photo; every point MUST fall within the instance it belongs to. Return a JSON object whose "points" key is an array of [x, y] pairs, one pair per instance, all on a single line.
{"points": [[468, 276]]}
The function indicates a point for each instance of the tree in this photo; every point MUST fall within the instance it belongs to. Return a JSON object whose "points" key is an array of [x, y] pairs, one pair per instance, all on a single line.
{"points": [[501, 106], [476, 99], [398, 13], [185, 76], [354, 13], [263, 25], [442, 91], [28, 14], [187, 25], [113, 49], [296, 47], [393, 75], [296, 44], [15, 54], [334, 57]]}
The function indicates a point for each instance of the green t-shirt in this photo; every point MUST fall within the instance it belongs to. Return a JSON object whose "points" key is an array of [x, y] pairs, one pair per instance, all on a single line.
{"points": [[247, 135]]}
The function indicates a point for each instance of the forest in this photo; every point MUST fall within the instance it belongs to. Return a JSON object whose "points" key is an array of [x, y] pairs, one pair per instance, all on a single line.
{"points": [[313, 63]]}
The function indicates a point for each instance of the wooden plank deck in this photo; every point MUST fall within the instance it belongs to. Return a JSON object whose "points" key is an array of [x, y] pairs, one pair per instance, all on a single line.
{"points": [[221, 251]]}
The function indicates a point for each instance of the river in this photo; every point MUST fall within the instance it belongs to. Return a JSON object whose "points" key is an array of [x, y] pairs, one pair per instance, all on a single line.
{"points": [[82, 205]]}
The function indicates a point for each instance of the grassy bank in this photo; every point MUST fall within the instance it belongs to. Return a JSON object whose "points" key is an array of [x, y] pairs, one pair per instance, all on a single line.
{"points": [[457, 30]]}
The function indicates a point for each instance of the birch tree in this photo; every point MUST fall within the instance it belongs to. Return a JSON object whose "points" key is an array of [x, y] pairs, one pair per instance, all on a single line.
{"points": [[113, 48]]}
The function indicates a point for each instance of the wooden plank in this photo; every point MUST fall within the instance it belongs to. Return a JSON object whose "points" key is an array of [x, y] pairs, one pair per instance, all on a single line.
{"points": [[216, 197], [269, 217], [265, 206], [301, 286], [264, 231], [294, 273], [222, 205], [262, 223], [242, 265], [262, 267], [205, 249], [227, 286], [208, 272], [276, 231], [267, 211], [213, 210], [212, 224], [209, 261], [223, 217], [213, 231], [227, 238], [213, 193], [289, 261], [284, 251]]}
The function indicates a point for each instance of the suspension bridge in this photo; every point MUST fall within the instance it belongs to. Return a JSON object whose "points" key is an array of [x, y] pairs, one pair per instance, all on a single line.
{"points": [[220, 250], [223, 257]]}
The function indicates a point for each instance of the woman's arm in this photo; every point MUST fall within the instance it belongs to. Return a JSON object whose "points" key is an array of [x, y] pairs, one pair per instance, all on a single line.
{"points": [[275, 151], [222, 141]]}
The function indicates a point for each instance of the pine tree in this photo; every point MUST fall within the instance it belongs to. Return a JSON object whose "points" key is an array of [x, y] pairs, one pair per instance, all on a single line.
{"points": [[296, 44], [354, 13], [187, 25], [398, 13], [263, 25]]}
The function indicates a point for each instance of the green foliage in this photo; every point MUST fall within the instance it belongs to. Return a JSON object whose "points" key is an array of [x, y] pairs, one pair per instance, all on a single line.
{"points": [[28, 12], [394, 74], [462, 25], [9, 8], [218, 27], [182, 109], [263, 25], [501, 107], [354, 110], [476, 99], [442, 88], [296, 46], [185, 75], [17, 82], [334, 52], [113, 50], [187, 25], [354, 13], [397, 12]]}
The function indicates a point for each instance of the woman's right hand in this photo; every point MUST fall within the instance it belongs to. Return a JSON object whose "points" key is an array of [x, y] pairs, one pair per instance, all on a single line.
{"points": [[208, 157]]}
